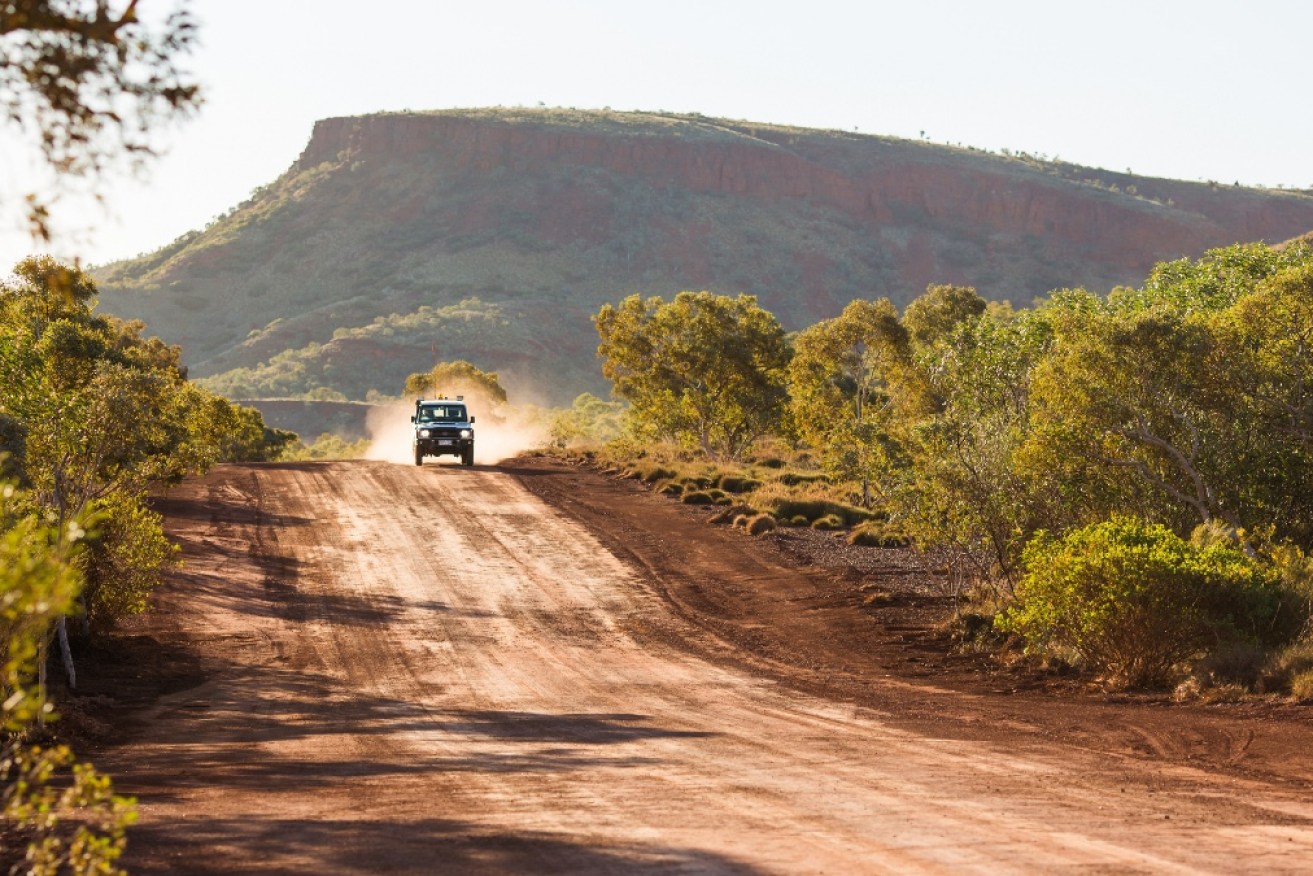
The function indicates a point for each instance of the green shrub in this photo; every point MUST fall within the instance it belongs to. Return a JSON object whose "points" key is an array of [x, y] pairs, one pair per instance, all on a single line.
{"points": [[799, 520], [1133, 600], [760, 524], [697, 497], [670, 488]]}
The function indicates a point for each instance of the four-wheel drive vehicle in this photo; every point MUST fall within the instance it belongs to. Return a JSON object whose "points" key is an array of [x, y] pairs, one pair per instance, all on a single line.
{"points": [[443, 426]]}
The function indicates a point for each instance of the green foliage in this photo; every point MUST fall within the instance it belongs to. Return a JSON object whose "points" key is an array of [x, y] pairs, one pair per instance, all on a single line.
{"points": [[589, 420], [239, 432], [1215, 282], [760, 524], [96, 416], [1193, 403], [1134, 600], [966, 489], [468, 327], [38, 583], [705, 370], [843, 382], [126, 552], [90, 84], [931, 319], [65, 812], [457, 378], [326, 446]]}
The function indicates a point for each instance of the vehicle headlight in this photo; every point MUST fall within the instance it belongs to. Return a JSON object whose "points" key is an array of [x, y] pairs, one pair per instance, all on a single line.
{"points": [[467, 433], [424, 433]]}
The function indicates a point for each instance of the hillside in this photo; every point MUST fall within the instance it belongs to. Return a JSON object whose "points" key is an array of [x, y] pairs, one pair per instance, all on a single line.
{"points": [[493, 235]]}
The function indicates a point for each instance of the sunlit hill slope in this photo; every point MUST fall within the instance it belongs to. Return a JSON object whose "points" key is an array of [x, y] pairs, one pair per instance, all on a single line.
{"points": [[493, 235]]}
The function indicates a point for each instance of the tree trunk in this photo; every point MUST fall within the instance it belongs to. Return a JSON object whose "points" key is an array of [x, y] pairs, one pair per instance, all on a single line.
{"points": [[66, 653], [42, 655]]}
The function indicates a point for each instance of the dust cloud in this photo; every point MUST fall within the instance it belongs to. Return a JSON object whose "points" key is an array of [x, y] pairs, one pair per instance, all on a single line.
{"points": [[501, 430]]}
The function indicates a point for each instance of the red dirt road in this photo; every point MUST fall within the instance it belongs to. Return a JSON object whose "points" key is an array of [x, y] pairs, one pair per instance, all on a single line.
{"points": [[378, 668]]}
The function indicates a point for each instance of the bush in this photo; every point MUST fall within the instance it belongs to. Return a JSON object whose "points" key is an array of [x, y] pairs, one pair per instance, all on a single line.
{"points": [[126, 553], [829, 522], [698, 497], [760, 524], [1133, 600], [670, 488]]}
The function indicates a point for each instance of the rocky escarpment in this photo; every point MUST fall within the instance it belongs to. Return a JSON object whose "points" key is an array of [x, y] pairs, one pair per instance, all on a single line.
{"points": [[544, 215]]}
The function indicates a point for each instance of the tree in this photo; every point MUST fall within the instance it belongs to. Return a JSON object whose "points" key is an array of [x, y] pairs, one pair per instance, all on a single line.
{"points": [[91, 82], [1188, 401], [589, 419], [94, 416], [459, 377], [1262, 388], [968, 488], [843, 382], [932, 316], [1118, 410], [705, 370]]}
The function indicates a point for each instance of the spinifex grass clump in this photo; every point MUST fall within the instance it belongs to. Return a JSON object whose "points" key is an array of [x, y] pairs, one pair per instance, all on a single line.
{"points": [[759, 524], [880, 534]]}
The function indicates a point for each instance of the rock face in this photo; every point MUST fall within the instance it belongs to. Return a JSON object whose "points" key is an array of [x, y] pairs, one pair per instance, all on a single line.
{"points": [[544, 215]]}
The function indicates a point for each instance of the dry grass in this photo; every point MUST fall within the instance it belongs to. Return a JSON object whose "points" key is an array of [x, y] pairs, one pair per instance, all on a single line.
{"points": [[1301, 686]]}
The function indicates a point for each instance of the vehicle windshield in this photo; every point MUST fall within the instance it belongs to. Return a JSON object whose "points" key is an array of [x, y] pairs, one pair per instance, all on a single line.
{"points": [[442, 414]]}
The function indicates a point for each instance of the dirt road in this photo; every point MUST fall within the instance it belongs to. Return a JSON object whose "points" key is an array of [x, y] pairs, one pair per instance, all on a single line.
{"points": [[379, 668]]}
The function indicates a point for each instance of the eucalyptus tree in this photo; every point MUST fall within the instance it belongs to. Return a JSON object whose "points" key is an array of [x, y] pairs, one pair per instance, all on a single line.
{"points": [[703, 369], [844, 383]]}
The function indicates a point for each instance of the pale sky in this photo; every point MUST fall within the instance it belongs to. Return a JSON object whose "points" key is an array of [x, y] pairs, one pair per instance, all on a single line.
{"points": [[1188, 89]]}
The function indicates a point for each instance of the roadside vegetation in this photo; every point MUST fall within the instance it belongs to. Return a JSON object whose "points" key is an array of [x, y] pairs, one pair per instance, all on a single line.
{"points": [[1124, 481], [92, 418]]}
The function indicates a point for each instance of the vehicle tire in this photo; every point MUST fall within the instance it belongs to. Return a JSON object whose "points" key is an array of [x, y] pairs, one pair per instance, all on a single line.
{"points": [[419, 456], [467, 457]]}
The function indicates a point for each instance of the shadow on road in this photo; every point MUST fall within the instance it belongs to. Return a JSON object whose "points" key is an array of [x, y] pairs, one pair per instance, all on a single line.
{"points": [[420, 846]]}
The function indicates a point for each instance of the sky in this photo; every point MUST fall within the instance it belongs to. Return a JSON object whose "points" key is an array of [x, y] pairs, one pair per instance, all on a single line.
{"points": [[1199, 90]]}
